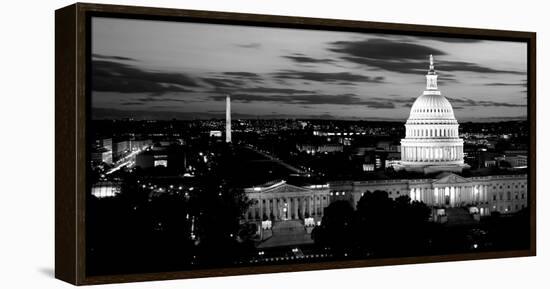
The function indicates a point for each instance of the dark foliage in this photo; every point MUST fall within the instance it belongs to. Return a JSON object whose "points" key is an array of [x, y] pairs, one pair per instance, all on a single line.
{"points": [[138, 231], [379, 226]]}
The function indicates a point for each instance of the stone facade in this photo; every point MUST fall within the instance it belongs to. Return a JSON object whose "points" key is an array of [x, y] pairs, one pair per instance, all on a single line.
{"points": [[501, 193], [282, 201]]}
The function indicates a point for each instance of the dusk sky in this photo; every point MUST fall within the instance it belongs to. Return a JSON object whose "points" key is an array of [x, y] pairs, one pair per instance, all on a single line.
{"points": [[161, 70]]}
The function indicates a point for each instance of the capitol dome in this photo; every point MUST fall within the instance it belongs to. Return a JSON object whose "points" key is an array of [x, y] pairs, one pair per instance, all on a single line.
{"points": [[431, 106], [432, 142]]}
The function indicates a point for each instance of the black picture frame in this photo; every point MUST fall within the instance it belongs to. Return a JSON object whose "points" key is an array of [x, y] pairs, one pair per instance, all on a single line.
{"points": [[72, 78]]}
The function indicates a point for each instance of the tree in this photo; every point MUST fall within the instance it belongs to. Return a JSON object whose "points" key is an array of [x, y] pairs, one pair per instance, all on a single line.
{"points": [[219, 208], [336, 230], [380, 226], [392, 226]]}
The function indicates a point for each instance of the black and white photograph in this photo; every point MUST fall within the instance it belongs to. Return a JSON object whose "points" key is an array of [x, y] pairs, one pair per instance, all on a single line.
{"points": [[223, 145]]}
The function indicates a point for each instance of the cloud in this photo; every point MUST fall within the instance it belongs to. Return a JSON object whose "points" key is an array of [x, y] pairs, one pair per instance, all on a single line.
{"points": [[275, 90], [310, 99], [111, 57], [253, 45], [232, 80], [166, 114], [112, 76], [301, 58], [127, 103], [219, 82], [500, 118], [466, 102], [471, 67], [522, 84], [404, 56], [402, 66], [327, 76], [242, 74], [455, 40], [380, 48], [151, 99]]}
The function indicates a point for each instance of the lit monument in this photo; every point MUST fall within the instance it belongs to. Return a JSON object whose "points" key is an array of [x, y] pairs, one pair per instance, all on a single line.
{"points": [[228, 119], [432, 143]]}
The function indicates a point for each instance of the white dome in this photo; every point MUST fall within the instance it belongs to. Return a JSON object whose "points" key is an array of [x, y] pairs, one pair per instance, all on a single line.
{"points": [[431, 106]]}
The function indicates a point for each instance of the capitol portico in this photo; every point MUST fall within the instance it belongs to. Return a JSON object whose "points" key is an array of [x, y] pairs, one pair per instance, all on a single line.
{"points": [[432, 143]]}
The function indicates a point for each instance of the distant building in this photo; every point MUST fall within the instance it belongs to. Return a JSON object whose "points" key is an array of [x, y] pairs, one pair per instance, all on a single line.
{"points": [[105, 189], [140, 144], [319, 148], [106, 143], [152, 158], [166, 157], [215, 133], [120, 149], [518, 161], [102, 155]]}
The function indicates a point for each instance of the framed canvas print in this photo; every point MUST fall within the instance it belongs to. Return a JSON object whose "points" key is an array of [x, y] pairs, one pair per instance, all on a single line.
{"points": [[194, 143]]}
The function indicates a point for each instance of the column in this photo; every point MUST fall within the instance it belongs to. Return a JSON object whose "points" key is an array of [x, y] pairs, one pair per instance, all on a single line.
{"points": [[316, 205], [261, 217], [296, 217], [289, 208], [310, 205], [313, 206], [453, 153], [268, 208], [280, 205], [425, 154], [274, 208], [303, 207]]}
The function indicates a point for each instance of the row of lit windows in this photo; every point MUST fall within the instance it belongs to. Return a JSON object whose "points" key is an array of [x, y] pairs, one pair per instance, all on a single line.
{"points": [[285, 200], [508, 196], [437, 110], [508, 186], [448, 132]]}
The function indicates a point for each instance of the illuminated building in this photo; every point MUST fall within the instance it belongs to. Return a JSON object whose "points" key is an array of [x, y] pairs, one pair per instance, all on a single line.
{"points": [[102, 155], [105, 189], [431, 146], [432, 143]]}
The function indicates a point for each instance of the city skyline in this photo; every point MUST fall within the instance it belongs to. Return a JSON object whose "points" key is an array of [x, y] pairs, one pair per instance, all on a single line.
{"points": [[147, 70]]}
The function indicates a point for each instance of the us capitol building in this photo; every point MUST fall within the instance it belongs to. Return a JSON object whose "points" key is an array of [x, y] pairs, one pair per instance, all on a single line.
{"points": [[431, 145]]}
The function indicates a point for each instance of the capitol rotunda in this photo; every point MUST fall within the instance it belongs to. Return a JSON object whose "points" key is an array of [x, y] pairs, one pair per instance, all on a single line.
{"points": [[432, 143]]}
